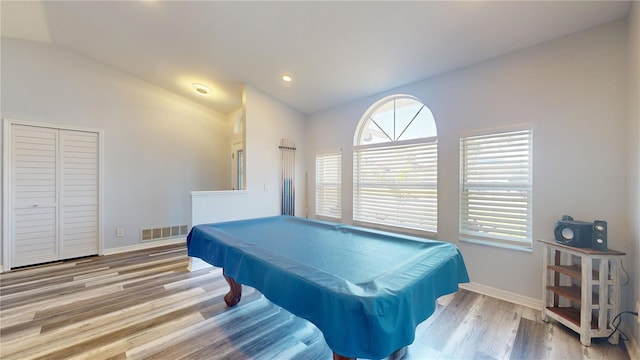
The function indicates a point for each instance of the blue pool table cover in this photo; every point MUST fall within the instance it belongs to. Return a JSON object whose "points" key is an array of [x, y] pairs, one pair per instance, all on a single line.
{"points": [[366, 290]]}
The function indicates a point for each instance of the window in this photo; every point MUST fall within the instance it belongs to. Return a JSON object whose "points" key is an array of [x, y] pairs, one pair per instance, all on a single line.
{"points": [[395, 167], [496, 189], [329, 185]]}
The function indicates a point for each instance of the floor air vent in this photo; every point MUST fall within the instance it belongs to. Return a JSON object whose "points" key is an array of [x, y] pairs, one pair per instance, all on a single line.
{"points": [[164, 232]]}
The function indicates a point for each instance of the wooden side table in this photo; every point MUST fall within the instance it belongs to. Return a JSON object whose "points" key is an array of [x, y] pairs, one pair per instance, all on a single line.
{"points": [[581, 289]]}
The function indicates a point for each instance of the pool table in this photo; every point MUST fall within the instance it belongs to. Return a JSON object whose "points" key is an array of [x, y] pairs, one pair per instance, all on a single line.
{"points": [[366, 290]]}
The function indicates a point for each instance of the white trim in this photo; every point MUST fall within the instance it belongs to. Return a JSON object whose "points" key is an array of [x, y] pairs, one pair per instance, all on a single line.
{"points": [[327, 218], [51, 126], [398, 143], [6, 153], [632, 348], [145, 245], [218, 193], [503, 295], [329, 151], [1, 268], [498, 244], [428, 235], [197, 264], [497, 129], [6, 156], [100, 192]]}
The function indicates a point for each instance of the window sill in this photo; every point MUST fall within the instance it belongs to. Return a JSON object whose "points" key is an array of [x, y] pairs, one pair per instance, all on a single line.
{"points": [[498, 245], [428, 235]]}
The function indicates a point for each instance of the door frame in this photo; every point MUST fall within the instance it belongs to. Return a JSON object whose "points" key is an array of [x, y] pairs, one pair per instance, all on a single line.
{"points": [[7, 239], [235, 148]]}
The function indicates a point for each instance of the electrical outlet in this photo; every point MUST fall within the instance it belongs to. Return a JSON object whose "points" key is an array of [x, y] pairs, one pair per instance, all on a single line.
{"points": [[119, 232]]}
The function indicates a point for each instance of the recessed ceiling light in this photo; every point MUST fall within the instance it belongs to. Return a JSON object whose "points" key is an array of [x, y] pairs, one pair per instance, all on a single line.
{"points": [[286, 78], [201, 89]]}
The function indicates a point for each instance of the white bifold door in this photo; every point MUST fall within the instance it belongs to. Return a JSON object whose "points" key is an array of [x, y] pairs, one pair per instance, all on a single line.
{"points": [[54, 194]]}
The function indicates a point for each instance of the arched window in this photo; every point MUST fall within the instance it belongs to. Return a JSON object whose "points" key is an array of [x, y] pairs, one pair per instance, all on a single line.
{"points": [[395, 166]]}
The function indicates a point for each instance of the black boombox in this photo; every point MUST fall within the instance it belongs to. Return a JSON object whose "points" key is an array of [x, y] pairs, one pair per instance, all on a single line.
{"points": [[581, 234]]}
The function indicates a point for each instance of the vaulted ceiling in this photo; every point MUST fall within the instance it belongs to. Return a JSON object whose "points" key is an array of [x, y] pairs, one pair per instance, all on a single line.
{"points": [[336, 52]]}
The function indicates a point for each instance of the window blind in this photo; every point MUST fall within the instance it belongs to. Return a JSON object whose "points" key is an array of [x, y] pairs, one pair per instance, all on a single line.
{"points": [[396, 186], [496, 189], [329, 185]]}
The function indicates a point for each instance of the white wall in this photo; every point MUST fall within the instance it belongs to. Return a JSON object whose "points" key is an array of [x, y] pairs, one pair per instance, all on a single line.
{"points": [[267, 121], [158, 146], [634, 153], [573, 92]]}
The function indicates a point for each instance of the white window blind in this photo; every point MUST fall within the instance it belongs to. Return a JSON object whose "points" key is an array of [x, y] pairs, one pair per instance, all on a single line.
{"points": [[395, 185], [329, 185], [496, 189]]}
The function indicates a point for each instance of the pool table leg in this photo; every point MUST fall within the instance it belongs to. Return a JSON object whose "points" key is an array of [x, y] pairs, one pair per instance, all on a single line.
{"points": [[235, 292], [398, 354], [340, 357]]}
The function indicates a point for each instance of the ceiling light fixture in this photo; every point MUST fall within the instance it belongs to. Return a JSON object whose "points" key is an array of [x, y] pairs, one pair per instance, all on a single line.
{"points": [[201, 89], [286, 78]]}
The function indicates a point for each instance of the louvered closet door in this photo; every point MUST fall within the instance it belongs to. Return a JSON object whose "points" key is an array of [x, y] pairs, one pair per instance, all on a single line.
{"points": [[79, 194], [54, 194], [34, 195]]}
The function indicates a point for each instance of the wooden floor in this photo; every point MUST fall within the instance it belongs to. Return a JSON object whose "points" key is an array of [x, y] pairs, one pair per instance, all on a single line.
{"points": [[145, 305]]}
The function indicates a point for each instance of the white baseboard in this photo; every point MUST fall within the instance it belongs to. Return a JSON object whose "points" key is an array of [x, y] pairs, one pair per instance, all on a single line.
{"points": [[632, 347], [503, 295], [141, 246], [144, 245], [197, 264]]}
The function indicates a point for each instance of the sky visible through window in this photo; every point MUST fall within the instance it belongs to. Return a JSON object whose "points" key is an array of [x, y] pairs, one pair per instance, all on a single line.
{"points": [[397, 120]]}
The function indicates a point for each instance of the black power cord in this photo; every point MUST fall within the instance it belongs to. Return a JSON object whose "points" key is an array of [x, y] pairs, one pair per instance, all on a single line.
{"points": [[616, 325], [628, 278]]}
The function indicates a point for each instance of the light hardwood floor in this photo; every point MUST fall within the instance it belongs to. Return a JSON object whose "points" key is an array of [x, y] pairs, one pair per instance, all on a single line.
{"points": [[145, 305]]}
